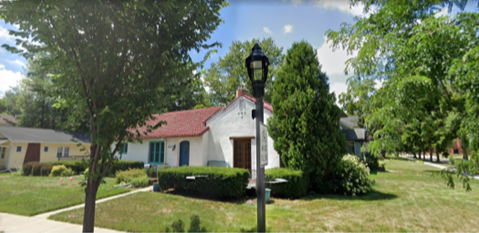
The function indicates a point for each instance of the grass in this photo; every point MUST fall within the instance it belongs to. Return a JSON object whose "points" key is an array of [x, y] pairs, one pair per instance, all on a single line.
{"points": [[405, 198], [31, 195]]}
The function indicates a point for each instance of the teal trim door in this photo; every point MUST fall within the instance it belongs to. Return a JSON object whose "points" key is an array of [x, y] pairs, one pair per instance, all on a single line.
{"points": [[185, 153]]}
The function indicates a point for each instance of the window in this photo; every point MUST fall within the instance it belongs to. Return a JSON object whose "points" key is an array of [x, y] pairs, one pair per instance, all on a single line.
{"points": [[2, 152], [63, 152], [124, 148], [157, 154], [45, 149], [19, 149]]}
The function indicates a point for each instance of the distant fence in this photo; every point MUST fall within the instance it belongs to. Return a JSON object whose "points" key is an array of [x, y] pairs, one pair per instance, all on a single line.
{"points": [[74, 157]]}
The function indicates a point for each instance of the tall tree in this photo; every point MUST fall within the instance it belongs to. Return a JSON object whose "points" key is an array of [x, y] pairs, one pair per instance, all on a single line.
{"points": [[305, 122], [113, 55], [224, 78]]}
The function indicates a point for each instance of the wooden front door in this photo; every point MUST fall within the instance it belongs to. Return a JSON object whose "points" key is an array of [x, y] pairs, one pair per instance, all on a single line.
{"points": [[242, 153], [33, 153]]}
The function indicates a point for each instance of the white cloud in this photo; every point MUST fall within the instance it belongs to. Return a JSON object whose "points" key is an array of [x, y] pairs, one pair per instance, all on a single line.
{"points": [[341, 5], [4, 34], [267, 30], [8, 79], [288, 28], [333, 62], [338, 88], [16, 62]]}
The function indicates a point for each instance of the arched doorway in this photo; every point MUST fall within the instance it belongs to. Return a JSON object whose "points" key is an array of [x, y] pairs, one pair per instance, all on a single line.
{"points": [[184, 153]]}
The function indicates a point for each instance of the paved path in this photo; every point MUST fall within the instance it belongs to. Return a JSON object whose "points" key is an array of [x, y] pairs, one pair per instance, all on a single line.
{"points": [[439, 165], [10, 223]]}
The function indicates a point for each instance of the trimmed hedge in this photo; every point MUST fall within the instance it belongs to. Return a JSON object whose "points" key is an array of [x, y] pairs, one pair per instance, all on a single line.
{"points": [[120, 165], [128, 176], [219, 182], [36, 169], [296, 187]]}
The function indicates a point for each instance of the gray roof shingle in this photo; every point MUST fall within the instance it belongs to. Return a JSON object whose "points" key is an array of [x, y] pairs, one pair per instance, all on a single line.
{"points": [[18, 134]]}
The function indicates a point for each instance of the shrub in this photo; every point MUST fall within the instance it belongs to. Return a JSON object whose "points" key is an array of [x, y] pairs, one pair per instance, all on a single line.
{"points": [[76, 166], [122, 165], [140, 182], [68, 172], [27, 168], [57, 170], [353, 176], [36, 169], [297, 185], [215, 182], [372, 161], [128, 176]]}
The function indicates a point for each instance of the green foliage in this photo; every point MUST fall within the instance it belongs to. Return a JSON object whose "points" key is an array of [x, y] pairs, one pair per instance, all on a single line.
{"points": [[68, 172], [305, 122], [216, 182], [224, 77], [57, 170], [123, 165], [296, 187], [128, 175], [36, 169], [354, 176], [140, 182], [112, 60], [77, 166]]}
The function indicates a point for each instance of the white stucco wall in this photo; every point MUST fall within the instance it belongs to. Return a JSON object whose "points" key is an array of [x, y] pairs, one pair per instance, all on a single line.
{"points": [[228, 123], [139, 151]]}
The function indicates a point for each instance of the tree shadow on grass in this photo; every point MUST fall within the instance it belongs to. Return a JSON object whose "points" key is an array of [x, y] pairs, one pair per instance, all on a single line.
{"points": [[373, 195], [198, 196], [179, 226]]}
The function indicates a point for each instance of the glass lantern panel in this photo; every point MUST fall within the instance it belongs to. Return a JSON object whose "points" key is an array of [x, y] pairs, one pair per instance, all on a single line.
{"points": [[256, 64]]}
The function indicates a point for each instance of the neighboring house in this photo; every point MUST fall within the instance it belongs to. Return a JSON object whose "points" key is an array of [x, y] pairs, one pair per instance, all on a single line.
{"points": [[21, 145], [7, 120], [355, 135], [217, 136]]}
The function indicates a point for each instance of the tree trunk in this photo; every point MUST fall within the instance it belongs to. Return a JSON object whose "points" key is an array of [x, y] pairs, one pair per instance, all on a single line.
{"points": [[464, 148], [437, 156], [430, 154], [90, 199], [423, 155], [414, 154]]}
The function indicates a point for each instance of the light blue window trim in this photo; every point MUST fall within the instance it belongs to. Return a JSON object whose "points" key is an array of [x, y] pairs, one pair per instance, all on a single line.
{"points": [[156, 153], [124, 148]]}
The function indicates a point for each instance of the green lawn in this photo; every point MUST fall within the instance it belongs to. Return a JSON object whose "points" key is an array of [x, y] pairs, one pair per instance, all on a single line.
{"points": [[405, 198], [31, 195]]}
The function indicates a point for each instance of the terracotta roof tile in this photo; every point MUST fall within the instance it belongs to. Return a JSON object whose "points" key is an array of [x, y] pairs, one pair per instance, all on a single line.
{"points": [[180, 124]]}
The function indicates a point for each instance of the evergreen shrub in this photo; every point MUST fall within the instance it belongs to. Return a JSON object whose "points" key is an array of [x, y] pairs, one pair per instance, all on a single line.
{"points": [[214, 182], [296, 187], [36, 169], [129, 175], [57, 170]]}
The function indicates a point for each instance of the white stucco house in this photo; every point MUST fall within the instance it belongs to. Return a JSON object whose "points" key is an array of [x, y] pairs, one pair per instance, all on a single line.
{"points": [[212, 136]]}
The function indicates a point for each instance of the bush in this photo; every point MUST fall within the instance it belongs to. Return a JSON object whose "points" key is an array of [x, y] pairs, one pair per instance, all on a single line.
{"points": [[122, 165], [372, 161], [119, 165], [57, 170], [128, 176], [297, 185], [68, 172], [76, 166], [27, 168], [215, 182], [36, 169], [354, 176], [140, 182]]}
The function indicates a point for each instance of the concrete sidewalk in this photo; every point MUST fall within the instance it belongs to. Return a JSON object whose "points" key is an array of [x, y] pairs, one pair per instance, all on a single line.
{"points": [[40, 223], [16, 223]]}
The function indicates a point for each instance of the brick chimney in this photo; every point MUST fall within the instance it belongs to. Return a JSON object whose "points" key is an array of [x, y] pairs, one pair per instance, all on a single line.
{"points": [[239, 92]]}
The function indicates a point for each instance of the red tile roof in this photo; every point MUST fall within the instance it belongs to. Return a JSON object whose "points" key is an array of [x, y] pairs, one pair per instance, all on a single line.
{"points": [[180, 124]]}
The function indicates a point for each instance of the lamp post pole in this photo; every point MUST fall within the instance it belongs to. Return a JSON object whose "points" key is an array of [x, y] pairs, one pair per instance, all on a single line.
{"points": [[260, 189], [257, 65]]}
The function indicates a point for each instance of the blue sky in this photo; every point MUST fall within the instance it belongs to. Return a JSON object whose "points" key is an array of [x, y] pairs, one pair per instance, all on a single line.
{"points": [[284, 21]]}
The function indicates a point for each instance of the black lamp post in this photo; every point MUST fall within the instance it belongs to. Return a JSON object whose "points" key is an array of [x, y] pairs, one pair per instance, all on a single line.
{"points": [[257, 64]]}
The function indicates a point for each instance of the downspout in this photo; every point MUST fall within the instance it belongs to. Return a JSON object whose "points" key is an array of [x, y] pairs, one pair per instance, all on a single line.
{"points": [[10, 156]]}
